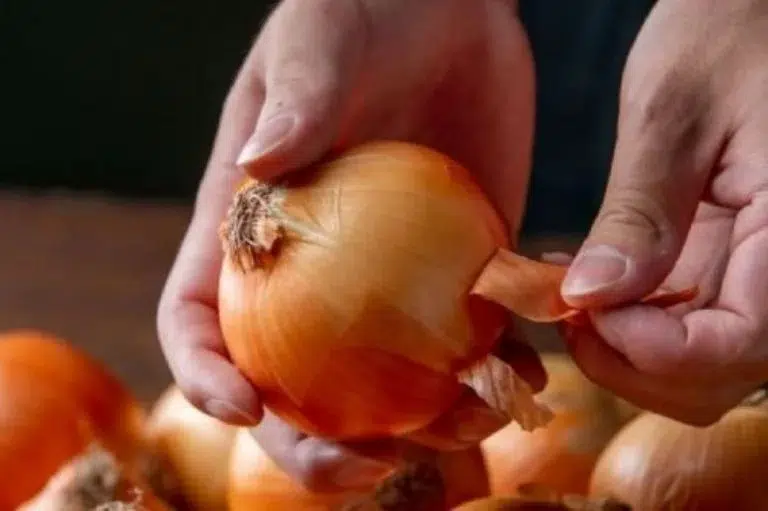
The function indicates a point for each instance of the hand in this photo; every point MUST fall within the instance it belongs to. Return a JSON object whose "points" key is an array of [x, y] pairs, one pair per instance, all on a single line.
{"points": [[452, 74], [686, 204]]}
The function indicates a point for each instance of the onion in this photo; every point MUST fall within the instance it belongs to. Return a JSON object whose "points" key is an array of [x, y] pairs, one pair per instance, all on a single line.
{"points": [[56, 402], [94, 480], [658, 463], [520, 504], [257, 484], [345, 294], [353, 294], [559, 456], [193, 448]]}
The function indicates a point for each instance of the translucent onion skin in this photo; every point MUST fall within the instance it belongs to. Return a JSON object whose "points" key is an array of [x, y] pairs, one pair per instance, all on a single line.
{"points": [[558, 457], [56, 401], [355, 321], [657, 463], [194, 448]]}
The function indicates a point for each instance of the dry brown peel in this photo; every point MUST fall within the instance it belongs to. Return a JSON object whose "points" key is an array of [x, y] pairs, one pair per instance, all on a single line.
{"points": [[95, 480]]}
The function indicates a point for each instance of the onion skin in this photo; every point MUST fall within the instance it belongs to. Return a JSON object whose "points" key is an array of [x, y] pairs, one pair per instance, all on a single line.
{"points": [[356, 315], [658, 463], [436, 484], [94, 480], [516, 504], [559, 456], [510, 504], [57, 401], [194, 448]]}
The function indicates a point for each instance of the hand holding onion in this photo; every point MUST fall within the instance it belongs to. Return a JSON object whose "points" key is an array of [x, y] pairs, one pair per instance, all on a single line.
{"points": [[358, 294]]}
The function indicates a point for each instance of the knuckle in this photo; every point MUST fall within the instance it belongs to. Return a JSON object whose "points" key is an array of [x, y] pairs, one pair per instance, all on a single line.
{"points": [[192, 393], [668, 107], [634, 211]]}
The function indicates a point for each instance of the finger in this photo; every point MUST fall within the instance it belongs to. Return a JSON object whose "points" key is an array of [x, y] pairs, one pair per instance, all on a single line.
{"points": [[561, 258], [607, 368], [318, 464], [723, 339], [309, 58], [187, 320], [666, 146]]}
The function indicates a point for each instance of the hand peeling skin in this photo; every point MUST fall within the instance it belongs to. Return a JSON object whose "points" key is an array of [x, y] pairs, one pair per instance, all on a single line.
{"points": [[531, 290]]}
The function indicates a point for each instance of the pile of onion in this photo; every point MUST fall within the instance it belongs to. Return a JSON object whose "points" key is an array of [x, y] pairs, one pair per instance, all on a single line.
{"points": [[657, 463], [356, 294], [557, 458], [257, 484], [192, 450], [57, 402]]}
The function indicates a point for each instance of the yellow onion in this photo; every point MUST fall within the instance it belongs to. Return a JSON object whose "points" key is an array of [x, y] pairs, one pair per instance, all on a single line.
{"points": [[559, 456], [345, 293], [95, 480], [657, 463], [526, 504], [194, 449], [438, 482], [56, 401]]}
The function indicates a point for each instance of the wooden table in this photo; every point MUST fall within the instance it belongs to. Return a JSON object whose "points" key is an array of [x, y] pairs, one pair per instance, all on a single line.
{"points": [[91, 269]]}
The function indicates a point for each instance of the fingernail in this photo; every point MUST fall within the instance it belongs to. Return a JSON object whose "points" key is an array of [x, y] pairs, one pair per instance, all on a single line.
{"points": [[229, 413], [265, 138], [479, 425], [595, 269], [361, 473]]}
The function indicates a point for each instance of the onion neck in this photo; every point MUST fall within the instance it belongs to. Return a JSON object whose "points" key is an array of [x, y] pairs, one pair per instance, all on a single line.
{"points": [[250, 229], [91, 481], [256, 222]]}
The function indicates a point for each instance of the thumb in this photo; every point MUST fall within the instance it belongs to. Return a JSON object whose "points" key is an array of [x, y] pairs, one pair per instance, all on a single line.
{"points": [[660, 169], [307, 57]]}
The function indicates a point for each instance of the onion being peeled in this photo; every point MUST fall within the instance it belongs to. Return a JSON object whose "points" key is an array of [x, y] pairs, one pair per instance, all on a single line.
{"points": [[352, 294], [559, 456], [194, 448], [659, 463], [344, 295]]}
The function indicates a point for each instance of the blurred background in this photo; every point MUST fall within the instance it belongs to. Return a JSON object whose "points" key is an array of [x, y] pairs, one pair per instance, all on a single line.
{"points": [[107, 114]]}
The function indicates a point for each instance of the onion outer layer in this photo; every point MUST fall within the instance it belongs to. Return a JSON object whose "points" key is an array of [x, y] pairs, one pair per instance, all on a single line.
{"points": [[658, 463]]}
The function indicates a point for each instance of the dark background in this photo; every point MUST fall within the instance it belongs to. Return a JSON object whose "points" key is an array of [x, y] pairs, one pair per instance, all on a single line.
{"points": [[123, 97]]}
